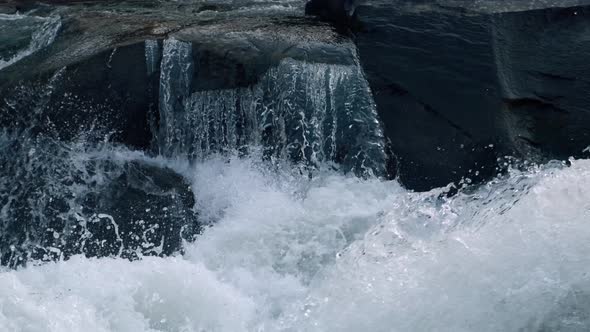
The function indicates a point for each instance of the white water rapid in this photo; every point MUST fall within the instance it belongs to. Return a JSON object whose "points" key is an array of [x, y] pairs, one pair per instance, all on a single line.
{"points": [[336, 253]]}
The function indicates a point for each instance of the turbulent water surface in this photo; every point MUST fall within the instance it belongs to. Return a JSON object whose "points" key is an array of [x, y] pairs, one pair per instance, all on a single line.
{"points": [[42, 30], [337, 253], [255, 204]]}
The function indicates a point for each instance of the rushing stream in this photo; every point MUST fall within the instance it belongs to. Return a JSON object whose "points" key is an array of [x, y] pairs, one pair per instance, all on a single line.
{"points": [[224, 166], [337, 253]]}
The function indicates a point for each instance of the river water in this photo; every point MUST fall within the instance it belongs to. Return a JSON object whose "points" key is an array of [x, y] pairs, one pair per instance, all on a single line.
{"points": [[299, 229]]}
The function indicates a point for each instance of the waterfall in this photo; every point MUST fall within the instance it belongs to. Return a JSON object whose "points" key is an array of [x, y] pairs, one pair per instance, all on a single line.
{"points": [[152, 55], [175, 79], [309, 113]]}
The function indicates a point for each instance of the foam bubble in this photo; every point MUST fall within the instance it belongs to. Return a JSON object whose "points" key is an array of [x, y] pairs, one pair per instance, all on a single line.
{"points": [[115, 295], [337, 253]]}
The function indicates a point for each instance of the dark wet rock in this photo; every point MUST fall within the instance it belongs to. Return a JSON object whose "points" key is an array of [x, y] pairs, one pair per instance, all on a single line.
{"points": [[432, 73], [14, 6], [545, 78], [59, 200], [433, 76], [337, 11], [152, 209], [7, 8], [460, 83], [107, 96]]}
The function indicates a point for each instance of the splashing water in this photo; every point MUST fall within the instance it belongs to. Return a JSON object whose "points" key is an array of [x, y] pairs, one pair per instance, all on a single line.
{"points": [[305, 112], [59, 199], [337, 253], [41, 37]]}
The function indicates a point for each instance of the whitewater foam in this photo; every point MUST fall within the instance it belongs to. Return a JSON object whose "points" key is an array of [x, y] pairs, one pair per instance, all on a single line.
{"points": [[337, 253]]}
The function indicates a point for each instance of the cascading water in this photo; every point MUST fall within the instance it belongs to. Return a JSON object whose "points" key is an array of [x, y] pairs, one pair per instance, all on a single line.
{"points": [[175, 82], [264, 207], [152, 55], [305, 112]]}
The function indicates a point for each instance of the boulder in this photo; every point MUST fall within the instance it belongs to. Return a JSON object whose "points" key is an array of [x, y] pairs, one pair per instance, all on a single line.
{"points": [[460, 84], [59, 200]]}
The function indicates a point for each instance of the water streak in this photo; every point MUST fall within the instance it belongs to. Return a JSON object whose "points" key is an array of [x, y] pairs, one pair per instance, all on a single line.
{"points": [[152, 56], [41, 38], [310, 113], [176, 72]]}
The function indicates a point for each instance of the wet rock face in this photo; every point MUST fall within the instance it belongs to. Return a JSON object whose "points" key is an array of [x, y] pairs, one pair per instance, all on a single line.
{"points": [[108, 96], [460, 83], [7, 9], [155, 207], [433, 76], [338, 11], [544, 77], [59, 200]]}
